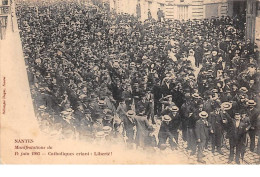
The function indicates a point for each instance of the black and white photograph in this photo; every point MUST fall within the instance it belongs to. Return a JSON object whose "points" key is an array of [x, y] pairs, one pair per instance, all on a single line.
{"points": [[169, 81]]}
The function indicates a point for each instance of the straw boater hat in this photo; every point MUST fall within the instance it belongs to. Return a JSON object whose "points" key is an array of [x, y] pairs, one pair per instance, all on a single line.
{"points": [[174, 108], [41, 108], [100, 134], [195, 95], [101, 102], [166, 118], [106, 129], [251, 103], [226, 106], [203, 114], [108, 117], [214, 52], [243, 90], [130, 113]]}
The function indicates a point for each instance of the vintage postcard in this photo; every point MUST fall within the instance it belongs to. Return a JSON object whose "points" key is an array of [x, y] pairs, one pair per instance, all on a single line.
{"points": [[129, 82]]}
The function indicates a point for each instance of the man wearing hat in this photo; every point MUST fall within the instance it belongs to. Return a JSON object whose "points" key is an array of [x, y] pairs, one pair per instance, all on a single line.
{"points": [[128, 96], [239, 102], [68, 124], [226, 107], [85, 126], [167, 101], [185, 109], [193, 117], [108, 118], [79, 112], [141, 106], [216, 119], [175, 123], [143, 129], [202, 129], [167, 86], [100, 137], [121, 110], [253, 114], [165, 132], [157, 96], [236, 133], [43, 116], [108, 133], [252, 89], [258, 134], [150, 106], [129, 125]]}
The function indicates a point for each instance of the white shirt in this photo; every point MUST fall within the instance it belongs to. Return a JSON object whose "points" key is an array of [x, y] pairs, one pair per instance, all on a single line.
{"points": [[237, 123]]}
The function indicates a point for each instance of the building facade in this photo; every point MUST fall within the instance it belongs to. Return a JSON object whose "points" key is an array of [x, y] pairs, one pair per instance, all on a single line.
{"points": [[181, 9]]}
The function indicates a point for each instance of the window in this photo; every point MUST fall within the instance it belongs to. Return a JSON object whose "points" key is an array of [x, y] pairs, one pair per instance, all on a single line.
{"points": [[5, 2], [258, 8]]}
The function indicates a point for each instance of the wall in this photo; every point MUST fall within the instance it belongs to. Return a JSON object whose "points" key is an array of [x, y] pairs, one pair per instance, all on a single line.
{"points": [[176, 9], [211, 10]]}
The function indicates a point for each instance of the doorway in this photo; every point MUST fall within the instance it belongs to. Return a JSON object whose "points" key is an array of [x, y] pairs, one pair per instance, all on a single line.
{"points": [[239, 8]]}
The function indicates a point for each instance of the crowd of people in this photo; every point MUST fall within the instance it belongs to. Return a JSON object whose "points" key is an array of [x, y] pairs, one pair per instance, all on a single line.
{"points": [[100, 76]]}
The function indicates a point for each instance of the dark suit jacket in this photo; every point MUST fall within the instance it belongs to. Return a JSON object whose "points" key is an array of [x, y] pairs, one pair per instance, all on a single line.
{"points": [[175, 123], [236, 134], [191, 121], [141, 107], [258, 123], [167, 90], [216, 122], [164, 129], [253, 114], [202, 130], [128, 125], [142, 130], [157, 92]]}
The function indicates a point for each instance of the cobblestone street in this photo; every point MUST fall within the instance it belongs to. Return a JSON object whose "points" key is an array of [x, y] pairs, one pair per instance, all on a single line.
{"points": [[210, 158]]}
